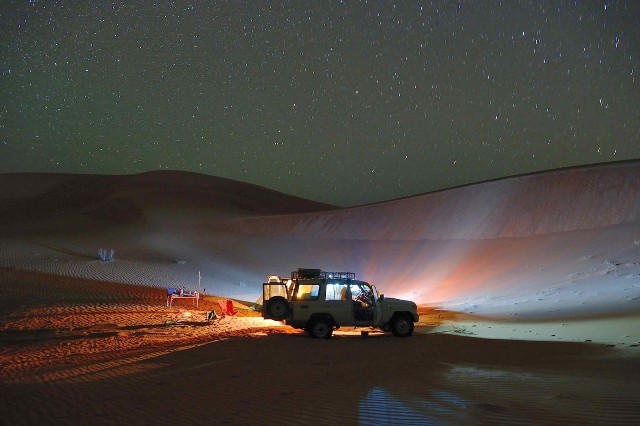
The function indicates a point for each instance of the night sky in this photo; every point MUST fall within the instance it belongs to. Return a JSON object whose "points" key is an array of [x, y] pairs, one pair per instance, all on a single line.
{"points": [[341, 102]]}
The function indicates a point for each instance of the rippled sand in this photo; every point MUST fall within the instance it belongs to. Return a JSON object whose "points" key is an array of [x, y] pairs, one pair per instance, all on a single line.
{"points": [[78, 351]]}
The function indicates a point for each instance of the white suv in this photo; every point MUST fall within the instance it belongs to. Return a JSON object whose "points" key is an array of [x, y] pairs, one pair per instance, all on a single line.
{"points": [[319, 302]]}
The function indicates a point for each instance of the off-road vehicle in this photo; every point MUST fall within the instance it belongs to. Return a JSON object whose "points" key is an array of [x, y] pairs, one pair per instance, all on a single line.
{"points": [[319, 302]]}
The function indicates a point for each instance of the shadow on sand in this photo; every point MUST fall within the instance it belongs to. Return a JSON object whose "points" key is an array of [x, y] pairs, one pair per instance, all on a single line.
{"points": [[272, 376]]}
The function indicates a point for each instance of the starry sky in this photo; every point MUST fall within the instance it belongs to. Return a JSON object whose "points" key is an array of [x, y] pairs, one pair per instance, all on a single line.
{"points": [[341, 102]]}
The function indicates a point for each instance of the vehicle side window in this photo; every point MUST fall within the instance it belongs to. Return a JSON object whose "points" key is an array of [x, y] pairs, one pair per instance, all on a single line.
{"points": [[362, 293], [307, 292], [355, 291], [336, 292]]}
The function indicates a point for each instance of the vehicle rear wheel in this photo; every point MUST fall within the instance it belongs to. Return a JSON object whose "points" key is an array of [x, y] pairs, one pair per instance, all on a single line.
{"points": [[401, 326], [321, 329], [278, 308]]}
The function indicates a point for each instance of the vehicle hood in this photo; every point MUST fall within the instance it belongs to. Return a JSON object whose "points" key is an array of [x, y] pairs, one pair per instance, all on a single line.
{"points": [[399, 303], [390, 305]]}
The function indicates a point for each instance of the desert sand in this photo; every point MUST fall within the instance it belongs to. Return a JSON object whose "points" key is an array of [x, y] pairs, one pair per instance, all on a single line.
{"points": [[529, 295], [76, 351]]}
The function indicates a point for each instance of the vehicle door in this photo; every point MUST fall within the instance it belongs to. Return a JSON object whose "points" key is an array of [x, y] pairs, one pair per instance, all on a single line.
{"points": [[270, 290], [363, 301], [377, 306], [337, 302]]}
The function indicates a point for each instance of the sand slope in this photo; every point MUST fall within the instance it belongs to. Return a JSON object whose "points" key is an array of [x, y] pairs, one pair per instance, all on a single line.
{"points": [[535, 204]]}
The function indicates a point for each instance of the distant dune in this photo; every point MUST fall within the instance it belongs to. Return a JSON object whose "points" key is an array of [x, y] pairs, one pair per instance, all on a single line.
{"points": [[135, 198]]}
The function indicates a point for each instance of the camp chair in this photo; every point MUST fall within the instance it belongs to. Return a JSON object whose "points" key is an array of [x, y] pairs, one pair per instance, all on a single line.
{"points": [[226, 306]]}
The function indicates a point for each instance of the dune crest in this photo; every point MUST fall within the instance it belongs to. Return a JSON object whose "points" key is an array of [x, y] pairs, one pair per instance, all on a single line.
{"points": [[536, 204]]}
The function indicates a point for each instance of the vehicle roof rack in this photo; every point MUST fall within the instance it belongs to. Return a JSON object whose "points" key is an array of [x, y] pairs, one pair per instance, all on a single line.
{"points": [[308, 274]]}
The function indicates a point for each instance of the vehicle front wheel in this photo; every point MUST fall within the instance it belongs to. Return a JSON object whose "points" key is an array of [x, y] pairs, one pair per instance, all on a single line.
{"points": [[321, 329], [401, 326], [278, 308]]}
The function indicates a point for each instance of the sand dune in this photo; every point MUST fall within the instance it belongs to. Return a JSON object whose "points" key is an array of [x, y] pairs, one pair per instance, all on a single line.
{"points": [[545, 267], [536, 204], [559, 243]]}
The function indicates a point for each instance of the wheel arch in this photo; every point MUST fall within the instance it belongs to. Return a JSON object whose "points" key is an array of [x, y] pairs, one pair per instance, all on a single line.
{"points": [[406, 314], [317, 323], [326, 316]]}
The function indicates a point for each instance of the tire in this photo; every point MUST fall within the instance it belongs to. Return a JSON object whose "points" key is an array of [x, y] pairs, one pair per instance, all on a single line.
{"points": [[278, 308], [401, 326], [321, 328]]}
